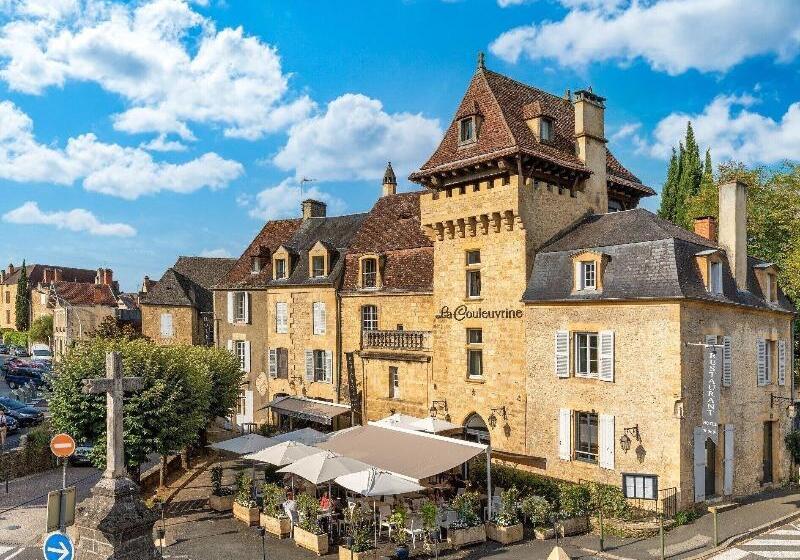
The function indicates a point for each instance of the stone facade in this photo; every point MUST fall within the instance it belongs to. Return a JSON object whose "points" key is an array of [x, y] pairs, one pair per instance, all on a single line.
{"points": [[73, 323], [187, 327]]}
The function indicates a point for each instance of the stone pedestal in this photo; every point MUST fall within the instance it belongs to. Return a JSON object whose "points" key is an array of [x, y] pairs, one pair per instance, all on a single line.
{"points": [[114, 524]]}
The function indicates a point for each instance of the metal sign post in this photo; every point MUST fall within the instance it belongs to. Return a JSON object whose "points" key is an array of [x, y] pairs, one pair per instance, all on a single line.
{"points": [[61, 509], [62, 446]]}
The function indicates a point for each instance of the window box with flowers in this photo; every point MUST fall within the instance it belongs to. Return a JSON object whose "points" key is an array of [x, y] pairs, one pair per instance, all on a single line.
{"points": [[245, 507], [506, 526]]}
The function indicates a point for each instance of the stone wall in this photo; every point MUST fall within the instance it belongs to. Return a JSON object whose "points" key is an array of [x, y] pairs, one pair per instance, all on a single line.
{"points": [[8, 306], [186, 326]]}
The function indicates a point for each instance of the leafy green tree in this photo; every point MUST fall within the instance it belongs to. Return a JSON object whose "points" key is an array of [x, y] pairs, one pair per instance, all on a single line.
{"points": [[41, 329], [684, 175], [111, 327], [706, 201], [667, 209], [23, 301]]}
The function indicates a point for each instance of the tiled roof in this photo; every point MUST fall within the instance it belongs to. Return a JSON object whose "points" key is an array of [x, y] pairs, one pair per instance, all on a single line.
{"points": [[504, 105], [85, 293], [648, 258], [188, 283], [36, 274], [272, 235], [392, 230]]}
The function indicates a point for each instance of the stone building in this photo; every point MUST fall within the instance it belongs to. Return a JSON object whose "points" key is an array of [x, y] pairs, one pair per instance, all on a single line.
{"points": [[78, 309], [39, 277], [179, 308]]}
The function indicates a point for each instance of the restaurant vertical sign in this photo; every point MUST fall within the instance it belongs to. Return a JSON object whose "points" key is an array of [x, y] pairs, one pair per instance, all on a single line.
{"points": [[711, 391]]}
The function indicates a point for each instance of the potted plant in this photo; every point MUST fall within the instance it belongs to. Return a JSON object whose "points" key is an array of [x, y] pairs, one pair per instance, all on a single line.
{"points": [[397, 521], [430, 525], [538, 512], [307, 533], [360, 543], [273, 518], [221, 498], [245, 507], [468, 528], [575, 503], [506, 527]]}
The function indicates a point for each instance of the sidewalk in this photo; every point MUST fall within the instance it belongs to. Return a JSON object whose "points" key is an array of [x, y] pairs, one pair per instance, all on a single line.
{"points": [[695, 538]]}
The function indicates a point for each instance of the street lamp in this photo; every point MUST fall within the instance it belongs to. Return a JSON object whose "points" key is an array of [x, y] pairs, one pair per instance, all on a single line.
{"points": [[263, 532]]}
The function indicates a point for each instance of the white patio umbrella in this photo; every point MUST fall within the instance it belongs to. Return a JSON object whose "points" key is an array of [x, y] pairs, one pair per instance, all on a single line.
{"points": [[398, 420], [283, 453], [324, 466], [308, 436], [242, 445], [373, 483], [433, 425]]}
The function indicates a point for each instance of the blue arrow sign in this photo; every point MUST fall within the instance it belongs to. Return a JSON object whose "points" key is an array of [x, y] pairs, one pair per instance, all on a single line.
{"points": [[57, 546]]}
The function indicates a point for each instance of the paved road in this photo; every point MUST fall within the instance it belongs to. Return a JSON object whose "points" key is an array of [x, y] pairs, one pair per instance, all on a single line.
{"points": [[783, 542]]}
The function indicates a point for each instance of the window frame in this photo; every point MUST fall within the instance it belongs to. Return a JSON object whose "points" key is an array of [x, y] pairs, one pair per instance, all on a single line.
{"points": [[280, 269], [467, 123], [770, 359], [369, 323], [472, 278], [281, 373], [240, 351], [587, 456], [239, 304], [319, 366], [474, 349], [314, 266], [588, 270], [369, 279], [715, 277], [255, 265], [578, 350], [545, 124]]}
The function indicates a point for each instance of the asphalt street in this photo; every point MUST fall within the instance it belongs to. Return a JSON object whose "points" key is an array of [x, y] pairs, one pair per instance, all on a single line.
{"points": [[783, 542]]}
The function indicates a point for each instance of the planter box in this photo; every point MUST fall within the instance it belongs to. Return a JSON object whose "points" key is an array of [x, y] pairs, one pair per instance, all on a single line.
{"points": [[246, 514], [317, 544], [220, 503], [344, 554], [462, 537], [505, 535], [281, 528], [544, 533], [574, 526]]}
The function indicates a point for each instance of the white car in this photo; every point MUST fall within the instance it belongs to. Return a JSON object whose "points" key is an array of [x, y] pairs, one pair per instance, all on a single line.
{"points": [[41, 353]]}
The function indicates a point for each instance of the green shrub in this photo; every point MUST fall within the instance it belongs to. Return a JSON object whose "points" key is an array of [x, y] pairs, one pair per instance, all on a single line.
{"points": [[574, 500], [537, 510], [244, 491], [508, 514], [398, 522], [792, 441], [686, 516], [528, 484], [274, 496], [16, 338], [216, 483], [612, 499], [308, 510], [466, 507], [41, 329], [359, 528]]}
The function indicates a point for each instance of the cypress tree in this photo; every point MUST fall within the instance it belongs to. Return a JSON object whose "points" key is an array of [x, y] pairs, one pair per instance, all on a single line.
{"points": [[23, 301], [667, 208], [706, 201], [691, 173]]}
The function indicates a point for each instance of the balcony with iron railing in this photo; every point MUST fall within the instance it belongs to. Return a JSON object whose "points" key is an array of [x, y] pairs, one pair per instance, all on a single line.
{"points": [[396, 340]]}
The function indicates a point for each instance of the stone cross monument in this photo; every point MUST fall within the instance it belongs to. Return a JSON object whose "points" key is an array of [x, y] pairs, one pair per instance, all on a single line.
{"points": [[114, 523]]}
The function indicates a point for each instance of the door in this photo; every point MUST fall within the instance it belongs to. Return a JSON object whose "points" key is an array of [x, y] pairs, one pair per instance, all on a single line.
{"points": [[711, 468], [768, 464]]}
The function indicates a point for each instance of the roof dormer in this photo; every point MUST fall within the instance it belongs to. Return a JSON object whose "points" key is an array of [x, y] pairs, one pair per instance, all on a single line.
{"points": [[588, 267], [767, 276], [319, 260], [710, 263], [370, 271], [282, 261], [540, 123]]}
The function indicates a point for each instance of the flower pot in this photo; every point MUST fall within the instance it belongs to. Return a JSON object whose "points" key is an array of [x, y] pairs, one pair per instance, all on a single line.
{"points": [[401, 552], [220, 503], [248, 515], [279, 527], [505, 535], [544, 533], [345, 554], [317, 544], [574, 526], [463, 537]]}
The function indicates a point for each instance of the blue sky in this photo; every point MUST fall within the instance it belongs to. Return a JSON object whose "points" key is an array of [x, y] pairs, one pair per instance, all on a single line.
{"points": [[134, 132]]}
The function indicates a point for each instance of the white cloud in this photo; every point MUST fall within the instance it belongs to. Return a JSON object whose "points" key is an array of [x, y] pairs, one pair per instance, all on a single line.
{"points": [[161, 144], [168, 62], [73, 220], [354, 138], [732, 130], [507, 3], [106, 168], [216, 253], [625, 131], [283, 201], [670, 35]]}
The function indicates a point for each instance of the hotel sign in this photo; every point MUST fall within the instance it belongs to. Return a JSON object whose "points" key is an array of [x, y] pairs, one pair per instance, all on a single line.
{"points": [[463, 312], [711, 391]]}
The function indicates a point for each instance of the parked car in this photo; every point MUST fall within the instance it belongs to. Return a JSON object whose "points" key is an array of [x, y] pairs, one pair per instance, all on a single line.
{"points": [[4, 349], [24, 375], [24, 415], [11, 424], [81, 456], [41, 353], [20, 352]]}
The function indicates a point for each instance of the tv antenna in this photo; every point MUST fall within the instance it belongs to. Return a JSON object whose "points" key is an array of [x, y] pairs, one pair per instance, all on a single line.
{"points": [[302, 182]]}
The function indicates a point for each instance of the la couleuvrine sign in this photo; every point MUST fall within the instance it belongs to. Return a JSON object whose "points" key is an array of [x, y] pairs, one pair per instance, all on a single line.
{"points": [[463, 312]]}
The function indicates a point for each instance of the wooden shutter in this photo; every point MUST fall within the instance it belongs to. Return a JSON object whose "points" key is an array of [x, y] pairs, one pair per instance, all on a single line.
{"points": [[762, 362], [699, 465], [318, 313], [562, 354], [273, 363], [328, 366], [727, 361], [578, 280], [607, 441], [247, 356], [309, 365], [781, 362], [728, 462], [230, 307], [247, 307], [606, 356], [281, 317], [166, 325], [565, 434]]}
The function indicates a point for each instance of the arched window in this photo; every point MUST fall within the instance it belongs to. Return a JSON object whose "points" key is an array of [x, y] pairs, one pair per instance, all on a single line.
{"points": [[475, 429], [369, 318]]}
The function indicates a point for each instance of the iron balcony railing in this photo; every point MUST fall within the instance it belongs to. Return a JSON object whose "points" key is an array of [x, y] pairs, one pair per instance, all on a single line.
{"points": [[396, 340]]}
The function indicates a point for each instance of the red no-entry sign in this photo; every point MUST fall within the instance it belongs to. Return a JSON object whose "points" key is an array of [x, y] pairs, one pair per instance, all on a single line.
{"points": [[62, 445]]}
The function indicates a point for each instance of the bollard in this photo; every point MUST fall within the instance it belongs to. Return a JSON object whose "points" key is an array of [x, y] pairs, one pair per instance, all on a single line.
{"points": [[661, 533], [602, 529], [716, 529]]}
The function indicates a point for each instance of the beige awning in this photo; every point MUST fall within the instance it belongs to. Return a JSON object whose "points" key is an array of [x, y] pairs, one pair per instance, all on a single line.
{"points": [[321, 412], [413, 454]]}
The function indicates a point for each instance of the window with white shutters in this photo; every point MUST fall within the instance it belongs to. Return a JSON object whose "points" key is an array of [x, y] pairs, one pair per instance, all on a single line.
{"points": [[565, 434], [562, 353], [762, 362], [586, 354], [309, 366], [727, 361], [781, 362], [587, 437], [166, 325], [606, 356], [273, 363], [281, 317], [328, 368], [319, 317], [607, 441]]}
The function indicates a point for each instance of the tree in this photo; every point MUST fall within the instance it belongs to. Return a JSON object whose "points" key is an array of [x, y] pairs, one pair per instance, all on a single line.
{"points": [[111, 327], [667, 209], [23, 301], [706, 201], [41, 329], [684, 174]]}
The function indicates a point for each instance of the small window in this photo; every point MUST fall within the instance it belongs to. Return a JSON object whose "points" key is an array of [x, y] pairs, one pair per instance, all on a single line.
{"points": [[283, 363], [474, 354], [772, 287], [640, 486], [240, 350], [769, 359], [394, 383], [241, 403], [466, 130], [369, 318], [473, 274], [319, 365], [280, 269], [545, 130], [474, 336], [586, 363], [586, 447], [317, 266], [255, 265], [369, 273], [715, 277], [473, 257], [239, 307], [588, 279]]}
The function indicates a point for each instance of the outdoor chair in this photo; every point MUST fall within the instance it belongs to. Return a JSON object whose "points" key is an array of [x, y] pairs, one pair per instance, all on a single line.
{"points": [[414, 527], [384, 512]]}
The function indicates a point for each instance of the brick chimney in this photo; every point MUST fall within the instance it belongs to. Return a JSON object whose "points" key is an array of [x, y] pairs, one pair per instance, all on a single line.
{"points": [[591, 143], [58, 275], [733, 228], [11, 269], [47, 276], [389, 181], [98, 278], [108, 276], [313, 209], [706, 226]]}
